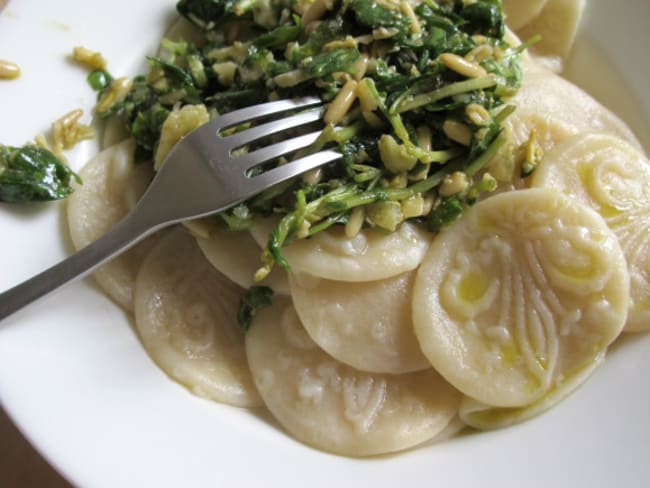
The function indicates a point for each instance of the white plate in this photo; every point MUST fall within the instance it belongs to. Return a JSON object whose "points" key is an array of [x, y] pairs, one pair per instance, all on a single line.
{"points": [[76, 381]]}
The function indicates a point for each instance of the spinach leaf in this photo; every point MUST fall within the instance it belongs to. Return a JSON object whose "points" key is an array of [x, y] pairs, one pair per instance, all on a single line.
{"points": [[484, 16], [446, 213], [326, 63], [256, 298], [326, 31], [179, 80], [234, 98], [280, 36], [31, 173], [146, 127], [205, 14], [375, 15]]}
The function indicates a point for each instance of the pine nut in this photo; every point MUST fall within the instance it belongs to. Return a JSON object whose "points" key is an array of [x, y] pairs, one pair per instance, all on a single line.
{"points": [[92, 59], [315, 11], [457, 131], [478, 114], [341, 103], [453, 184], [462, 66], [480, 53], [355, 222], [408, 11], [8, 70]]}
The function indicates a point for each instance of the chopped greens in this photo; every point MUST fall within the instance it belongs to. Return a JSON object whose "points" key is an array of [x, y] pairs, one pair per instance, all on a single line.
{"points": [[31, 173], [374, 15], [256, 298], [444, 214], [429, 83]]}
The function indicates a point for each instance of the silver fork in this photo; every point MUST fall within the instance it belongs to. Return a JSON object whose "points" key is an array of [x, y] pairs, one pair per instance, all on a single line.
{"points": [[200, 177]]}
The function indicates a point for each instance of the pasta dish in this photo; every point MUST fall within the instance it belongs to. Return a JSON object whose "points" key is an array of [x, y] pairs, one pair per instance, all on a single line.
{"points": [[467, 261]]}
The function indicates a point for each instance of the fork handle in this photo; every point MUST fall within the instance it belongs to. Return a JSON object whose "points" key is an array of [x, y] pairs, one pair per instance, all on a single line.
{"points": [[125, 234]]}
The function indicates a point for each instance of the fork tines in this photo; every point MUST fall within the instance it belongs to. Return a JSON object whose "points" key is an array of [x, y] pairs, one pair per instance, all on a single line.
{"points": [[301, 112], [255, 112]]}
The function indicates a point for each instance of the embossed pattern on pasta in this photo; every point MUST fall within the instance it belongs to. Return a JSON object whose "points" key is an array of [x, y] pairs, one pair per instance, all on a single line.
{"points": [[364, 324], [528, 286], [186, 316], [613, 177], [337, 408]]}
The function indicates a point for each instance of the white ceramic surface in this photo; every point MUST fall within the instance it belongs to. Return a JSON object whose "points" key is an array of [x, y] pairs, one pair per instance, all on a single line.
{"points": [[76, 381]]}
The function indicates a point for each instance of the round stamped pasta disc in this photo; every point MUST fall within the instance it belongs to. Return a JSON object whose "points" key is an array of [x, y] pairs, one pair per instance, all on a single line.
{"points": [[612, 177], [364, 324], [519, 12], [112, 185], [334, 407], [557, 23], [545, 92], [528, 286], [237, 255], [369, 255], [186, 315]]}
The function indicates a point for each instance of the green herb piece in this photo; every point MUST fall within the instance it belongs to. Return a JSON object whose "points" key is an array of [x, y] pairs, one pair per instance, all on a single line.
{"points": [[99, 79], [485, 16], [328, 30], [326, 63], [205, 14], [31, 173], [446, 213], [256, 298], [376, 15], [280, 36]]}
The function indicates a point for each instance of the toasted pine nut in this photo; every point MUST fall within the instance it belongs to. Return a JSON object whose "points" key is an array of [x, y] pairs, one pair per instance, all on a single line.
{"points": [[427, 205], [453, 184], [360, 67], [480, 39], [67, 131], [91, 59], [315, 11], [291, 78], [408, 11], [384, 32], [313, 177], [8, 70], [71, 117], [457, 131], [341, 103], [478, 114], [366, 100], [355, 222], [480, 53], [117, 91], [462, 66]]}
